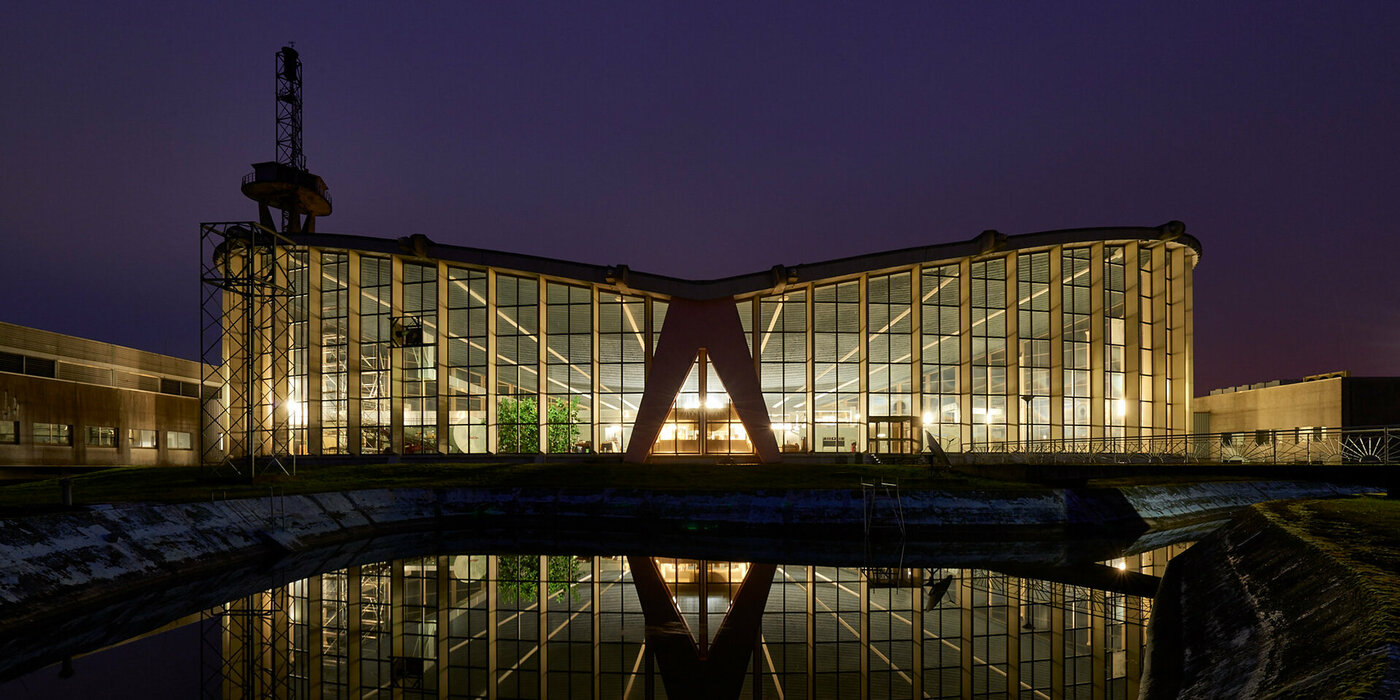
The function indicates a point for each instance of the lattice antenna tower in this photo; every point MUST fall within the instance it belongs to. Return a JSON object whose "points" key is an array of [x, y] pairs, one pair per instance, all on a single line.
{"points": [[285, 184], [289, 109]]}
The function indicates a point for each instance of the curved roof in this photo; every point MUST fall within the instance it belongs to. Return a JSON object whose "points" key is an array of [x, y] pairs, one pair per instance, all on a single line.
{"points": [[986, 243]]}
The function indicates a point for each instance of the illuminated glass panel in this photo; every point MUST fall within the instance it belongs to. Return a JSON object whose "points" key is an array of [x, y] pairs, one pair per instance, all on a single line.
{"points": [[466, 361], [889, 365], [989, 359], [1077, 292], [836, 366], [942, 355], [1115, 342], [517, 364], [782, 352], [297, 349], [420, 361], [335, 349], [1145, 347], [375, 363], [1033, 333], [621, 367], [568, 368]]}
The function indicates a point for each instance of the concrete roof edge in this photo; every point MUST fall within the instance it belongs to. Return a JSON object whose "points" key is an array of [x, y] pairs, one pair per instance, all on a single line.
{"points": [[986, 243]]}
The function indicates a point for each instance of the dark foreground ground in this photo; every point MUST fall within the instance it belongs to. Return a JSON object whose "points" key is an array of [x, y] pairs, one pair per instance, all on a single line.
{"points": [[194, 484], [1290, 599]]}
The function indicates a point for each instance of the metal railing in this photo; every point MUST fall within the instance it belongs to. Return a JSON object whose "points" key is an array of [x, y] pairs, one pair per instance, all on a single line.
{"points": [[1373, 445]]}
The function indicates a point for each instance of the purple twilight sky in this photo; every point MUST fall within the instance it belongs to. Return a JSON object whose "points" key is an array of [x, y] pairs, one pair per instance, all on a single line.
{"points": [[723, 138]]}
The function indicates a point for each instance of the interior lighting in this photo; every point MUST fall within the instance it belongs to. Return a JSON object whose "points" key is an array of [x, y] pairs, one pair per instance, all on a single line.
{"points": [[928, 417]]}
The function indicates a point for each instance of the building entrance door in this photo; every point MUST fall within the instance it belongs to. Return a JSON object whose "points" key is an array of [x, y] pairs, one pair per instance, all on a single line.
{"points": [[892, 435]]}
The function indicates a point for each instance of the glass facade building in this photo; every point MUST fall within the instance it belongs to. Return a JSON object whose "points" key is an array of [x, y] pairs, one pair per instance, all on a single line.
{"points": [[989, 344]]}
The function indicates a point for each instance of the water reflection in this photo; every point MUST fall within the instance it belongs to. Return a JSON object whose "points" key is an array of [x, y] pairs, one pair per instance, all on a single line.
{"points": [[636, 627]]}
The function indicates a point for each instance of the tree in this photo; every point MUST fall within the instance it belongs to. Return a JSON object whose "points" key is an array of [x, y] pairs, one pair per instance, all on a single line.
{"points": [[563, 424], [518, 577], [517, 425]]}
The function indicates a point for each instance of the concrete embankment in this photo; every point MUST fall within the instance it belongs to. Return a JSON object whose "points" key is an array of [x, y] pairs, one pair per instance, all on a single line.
{"points": [[1254, 610], [62, 559]]}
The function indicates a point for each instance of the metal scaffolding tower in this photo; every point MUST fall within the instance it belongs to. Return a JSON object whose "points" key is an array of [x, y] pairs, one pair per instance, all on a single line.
{"points": [[245, 348], [248, 652]]}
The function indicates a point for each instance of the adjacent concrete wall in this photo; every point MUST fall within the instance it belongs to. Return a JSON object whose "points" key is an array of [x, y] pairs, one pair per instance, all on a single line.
{"points": [[1336, 402], [86, 383], [81, 405], [1287, 406]]}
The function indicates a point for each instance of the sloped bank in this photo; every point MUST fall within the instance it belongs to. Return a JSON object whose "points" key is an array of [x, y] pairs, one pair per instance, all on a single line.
{"points": [[1275, 604], [70, 551], [54, 564]]}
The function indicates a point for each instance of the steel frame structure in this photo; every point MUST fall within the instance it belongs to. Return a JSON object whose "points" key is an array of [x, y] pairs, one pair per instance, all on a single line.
{"points": [[250, 654], [289, 109], [244, 286], [289, 118]]}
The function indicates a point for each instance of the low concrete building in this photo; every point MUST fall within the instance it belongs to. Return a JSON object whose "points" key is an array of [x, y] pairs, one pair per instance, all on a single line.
{"points": [[67, 401], [1333, 400]]}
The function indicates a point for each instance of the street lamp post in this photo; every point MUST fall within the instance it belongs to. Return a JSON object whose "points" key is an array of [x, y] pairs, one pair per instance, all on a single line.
{"points": [[1025, 423]]}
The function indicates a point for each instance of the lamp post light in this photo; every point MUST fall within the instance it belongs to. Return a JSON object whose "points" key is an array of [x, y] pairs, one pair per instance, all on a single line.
{"points": [[1025, 423]]}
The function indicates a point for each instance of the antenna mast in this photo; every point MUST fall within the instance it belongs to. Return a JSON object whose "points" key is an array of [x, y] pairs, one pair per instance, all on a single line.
{"points": [[285, 183], [289, 109]]}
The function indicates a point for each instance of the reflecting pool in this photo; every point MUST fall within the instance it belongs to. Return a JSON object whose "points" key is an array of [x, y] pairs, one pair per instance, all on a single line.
{"points": [[475, 625]]}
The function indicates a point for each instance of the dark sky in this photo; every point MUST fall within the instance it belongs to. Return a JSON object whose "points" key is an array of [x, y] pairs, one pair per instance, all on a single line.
{"points": [[723, 138]]}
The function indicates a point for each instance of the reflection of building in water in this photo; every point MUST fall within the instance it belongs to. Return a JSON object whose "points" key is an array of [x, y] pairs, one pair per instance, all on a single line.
{"points": [[472, 625]]}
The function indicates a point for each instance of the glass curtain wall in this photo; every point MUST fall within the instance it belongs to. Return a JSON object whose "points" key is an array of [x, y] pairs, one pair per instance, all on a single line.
{"points": [[724, 431], [782, 353], [1075, 326], [568, 368], [420, 362], [1115, 336], [889, 364], [1033, 329], [680, 434], [466, 361], [517, 364], [942, 355], [1169, 287], [836, 366], [376, 279], [989, 415], [335, 352], [297, 320], [622, 350], [835, 360], [1145, 348]]}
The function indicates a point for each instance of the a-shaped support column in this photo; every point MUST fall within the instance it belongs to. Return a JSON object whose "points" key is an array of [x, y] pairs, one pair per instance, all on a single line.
{"points": [[688, 673], [714, 326]]}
